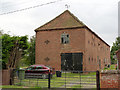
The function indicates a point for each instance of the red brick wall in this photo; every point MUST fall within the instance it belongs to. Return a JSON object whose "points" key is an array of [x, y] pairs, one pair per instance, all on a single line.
{"points": [[5, 77], [110, 79], [95, 48], [118, 57], [54, 48], [81, 41]]}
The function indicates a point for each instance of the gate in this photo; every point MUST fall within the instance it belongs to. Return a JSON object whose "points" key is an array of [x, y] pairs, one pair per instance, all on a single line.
{"points": [[65, 79], [76, 79]]}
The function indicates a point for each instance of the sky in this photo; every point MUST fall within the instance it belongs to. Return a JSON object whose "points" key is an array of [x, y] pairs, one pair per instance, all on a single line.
{"points": [[101, 16]]}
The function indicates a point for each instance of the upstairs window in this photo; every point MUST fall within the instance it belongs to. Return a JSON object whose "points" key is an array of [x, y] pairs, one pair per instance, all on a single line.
{"points": [[65, 38]]}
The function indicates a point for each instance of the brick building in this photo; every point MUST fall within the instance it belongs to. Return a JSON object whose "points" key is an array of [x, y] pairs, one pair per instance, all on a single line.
{"points": [[67, 43], [118, 57]]}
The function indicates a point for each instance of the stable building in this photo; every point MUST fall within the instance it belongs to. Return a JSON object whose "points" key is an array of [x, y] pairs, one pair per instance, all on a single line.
{"points": [[66, 43]]}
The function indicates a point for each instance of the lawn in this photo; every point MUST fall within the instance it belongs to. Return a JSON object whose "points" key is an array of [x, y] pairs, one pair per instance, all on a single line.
{"points": [[72, 80], [68, 80]]}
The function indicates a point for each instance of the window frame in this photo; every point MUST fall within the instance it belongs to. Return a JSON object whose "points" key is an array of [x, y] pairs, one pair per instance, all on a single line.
{"points": [[65, 38]]}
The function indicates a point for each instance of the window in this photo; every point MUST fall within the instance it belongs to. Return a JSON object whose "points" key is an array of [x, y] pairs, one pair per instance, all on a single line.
{"points": [[88, 41], [89, 59], [64, 38], [97, 59], [31, 68], [39, 67]]}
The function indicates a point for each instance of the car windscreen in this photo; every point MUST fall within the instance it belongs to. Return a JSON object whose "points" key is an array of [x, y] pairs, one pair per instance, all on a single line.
{"points": [[39, 67]]}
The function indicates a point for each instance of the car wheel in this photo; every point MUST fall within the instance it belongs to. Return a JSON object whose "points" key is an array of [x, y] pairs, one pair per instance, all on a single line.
{"points": [[44, 76]]}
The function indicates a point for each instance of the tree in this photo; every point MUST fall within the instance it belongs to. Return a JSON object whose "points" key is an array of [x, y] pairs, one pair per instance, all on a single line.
{"points": [[115, 47], [11, 46], [30, 57]]}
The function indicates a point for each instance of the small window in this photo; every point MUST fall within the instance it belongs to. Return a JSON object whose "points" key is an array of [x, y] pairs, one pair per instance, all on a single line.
{"points": [[88, 41], [39, 67], [89, 59], [98, 44], [64, 38]]}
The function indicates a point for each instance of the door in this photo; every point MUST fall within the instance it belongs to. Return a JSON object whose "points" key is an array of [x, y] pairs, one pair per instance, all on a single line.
{"points": [[77, 61], [66, 61], [99, 64], [72, 61]]}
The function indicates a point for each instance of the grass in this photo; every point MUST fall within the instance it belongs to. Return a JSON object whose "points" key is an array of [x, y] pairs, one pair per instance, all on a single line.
{"points": [[59, 82], [11, 86], [76, 86], [56, 82], [112, 67], [14, 86]]}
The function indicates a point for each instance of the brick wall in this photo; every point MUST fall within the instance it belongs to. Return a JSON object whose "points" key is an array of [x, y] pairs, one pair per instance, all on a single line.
{"points": [[118, 57], [97, 51], [110, 79], [54, 48], [81, 41], [5, 77]]}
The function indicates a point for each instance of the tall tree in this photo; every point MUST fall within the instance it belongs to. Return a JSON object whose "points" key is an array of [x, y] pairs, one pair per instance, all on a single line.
{"points": [[10, 46], [115, 47], [31, 51]]}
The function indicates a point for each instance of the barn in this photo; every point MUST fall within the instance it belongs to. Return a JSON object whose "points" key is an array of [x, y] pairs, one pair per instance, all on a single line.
{"points": [[66, 43]]}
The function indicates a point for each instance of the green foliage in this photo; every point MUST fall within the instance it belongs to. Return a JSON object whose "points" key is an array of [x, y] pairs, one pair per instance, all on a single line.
{"points": [[31, 51], [9, 43], [115, 47], [112, 67], [29, 57], [3, 65]]}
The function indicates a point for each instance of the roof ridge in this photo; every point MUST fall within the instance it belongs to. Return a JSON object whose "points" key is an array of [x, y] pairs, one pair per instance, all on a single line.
{"points": [[50, 20], [74, 17]]}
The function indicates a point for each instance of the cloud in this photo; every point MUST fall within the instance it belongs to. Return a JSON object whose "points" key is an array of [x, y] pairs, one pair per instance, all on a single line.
{"points": [[98, 15]]}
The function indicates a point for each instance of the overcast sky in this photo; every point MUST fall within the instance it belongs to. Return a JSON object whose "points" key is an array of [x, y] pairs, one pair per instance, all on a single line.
{"points": [[101, 16]]}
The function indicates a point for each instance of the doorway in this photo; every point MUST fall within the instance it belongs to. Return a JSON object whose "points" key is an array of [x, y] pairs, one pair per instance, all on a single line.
{"points": [[72, 61]]}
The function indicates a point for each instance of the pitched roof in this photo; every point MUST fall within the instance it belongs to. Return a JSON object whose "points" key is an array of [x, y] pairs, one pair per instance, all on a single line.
{"points": [[64, 20]]}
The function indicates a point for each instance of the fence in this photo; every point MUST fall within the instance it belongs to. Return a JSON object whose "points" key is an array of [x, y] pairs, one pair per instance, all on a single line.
{"points": [[64, 79]]}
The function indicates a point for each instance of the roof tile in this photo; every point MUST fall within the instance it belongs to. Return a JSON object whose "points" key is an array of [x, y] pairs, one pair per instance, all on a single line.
{"points": [[64, 20]]}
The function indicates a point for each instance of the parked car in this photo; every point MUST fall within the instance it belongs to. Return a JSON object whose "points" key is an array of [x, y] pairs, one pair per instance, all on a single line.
{"points": [[38, 71]]}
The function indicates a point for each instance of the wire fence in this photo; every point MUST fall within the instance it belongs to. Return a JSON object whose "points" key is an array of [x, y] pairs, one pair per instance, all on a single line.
{"points": [[61, 79]]}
